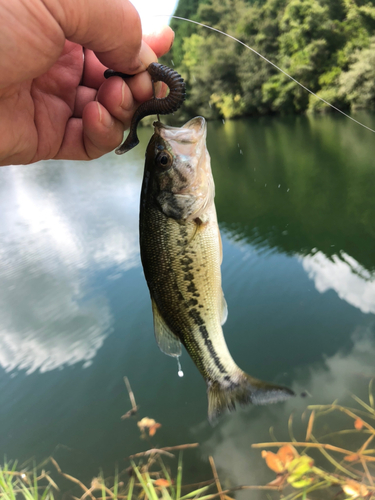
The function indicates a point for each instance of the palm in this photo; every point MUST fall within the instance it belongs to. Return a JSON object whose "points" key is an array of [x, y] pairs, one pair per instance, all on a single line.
{"points": [[51, 100], [57, 115]]}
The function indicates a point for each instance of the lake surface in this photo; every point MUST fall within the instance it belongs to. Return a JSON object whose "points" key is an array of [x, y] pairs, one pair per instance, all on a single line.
{"points": [[296, 205]]}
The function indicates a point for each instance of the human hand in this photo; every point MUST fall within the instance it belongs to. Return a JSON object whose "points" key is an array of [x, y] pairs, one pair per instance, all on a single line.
{"points": [[54, 100]]}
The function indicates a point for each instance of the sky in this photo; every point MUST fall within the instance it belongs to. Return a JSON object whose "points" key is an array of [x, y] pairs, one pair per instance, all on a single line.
{"points": [[149, 10]]}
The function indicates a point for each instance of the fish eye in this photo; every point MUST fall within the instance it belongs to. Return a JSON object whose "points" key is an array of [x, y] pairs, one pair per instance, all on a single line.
{"points": [[164, 159]]}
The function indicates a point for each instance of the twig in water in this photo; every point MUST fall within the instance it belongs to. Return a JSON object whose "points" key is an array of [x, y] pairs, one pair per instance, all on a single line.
{"points": [[135, 407], [307, 445], [310, 425], [71, 478], [240, 488], [130, 413], [216, 477], [180, 447], [153, 451]]}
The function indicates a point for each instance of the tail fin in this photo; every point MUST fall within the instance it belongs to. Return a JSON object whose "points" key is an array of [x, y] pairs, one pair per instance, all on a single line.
{"points": [[242, 389]]}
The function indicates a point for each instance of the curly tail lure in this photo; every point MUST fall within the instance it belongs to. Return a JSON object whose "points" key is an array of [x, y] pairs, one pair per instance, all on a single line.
{"points": [[164, 106]]}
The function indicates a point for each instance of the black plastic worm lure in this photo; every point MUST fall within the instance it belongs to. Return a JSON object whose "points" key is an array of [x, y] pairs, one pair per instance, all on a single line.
{"points": [[154, 106]]}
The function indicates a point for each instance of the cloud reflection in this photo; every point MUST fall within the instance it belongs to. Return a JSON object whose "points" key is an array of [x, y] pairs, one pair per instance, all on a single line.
{"points": [[58, 225], [345, 276]]}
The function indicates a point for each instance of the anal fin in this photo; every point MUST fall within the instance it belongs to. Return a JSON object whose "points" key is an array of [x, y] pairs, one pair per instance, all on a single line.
{"points": [[166, 339]]}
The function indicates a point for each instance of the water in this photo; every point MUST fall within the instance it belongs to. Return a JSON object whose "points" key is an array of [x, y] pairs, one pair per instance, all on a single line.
{"points": [[296, 206]]}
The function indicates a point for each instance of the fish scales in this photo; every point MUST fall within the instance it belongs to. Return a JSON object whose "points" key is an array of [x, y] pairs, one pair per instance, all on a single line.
{"points": [[181, 256], [184, 288]]}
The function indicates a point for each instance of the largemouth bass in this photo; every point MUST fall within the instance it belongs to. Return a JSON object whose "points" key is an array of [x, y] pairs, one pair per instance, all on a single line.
{"points": [[181, 255]]}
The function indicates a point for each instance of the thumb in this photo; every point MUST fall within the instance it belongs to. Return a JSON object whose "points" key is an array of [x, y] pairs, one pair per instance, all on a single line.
{"points": [[111, 28]]}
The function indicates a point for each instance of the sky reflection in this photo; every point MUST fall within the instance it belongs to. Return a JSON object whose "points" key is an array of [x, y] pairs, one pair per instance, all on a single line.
{"points": [[345, 276], [49, 314]]}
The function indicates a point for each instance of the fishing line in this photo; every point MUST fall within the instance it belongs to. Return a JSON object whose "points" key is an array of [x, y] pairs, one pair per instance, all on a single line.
{"points": [[272, 64]]}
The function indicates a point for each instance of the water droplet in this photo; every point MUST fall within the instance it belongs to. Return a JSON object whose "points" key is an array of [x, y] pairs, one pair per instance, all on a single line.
{"points": [[223, 121], [180, 372], [241, 153], [288, 190], [172, 62], [279, 185], [265, 185]]}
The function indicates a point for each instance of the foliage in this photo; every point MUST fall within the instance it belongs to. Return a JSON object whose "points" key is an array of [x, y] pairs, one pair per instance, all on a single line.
{"points": [[349, 471], [358, 83], [327, 45]]}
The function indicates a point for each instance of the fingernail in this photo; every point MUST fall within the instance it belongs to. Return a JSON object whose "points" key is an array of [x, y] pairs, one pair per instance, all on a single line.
{"points": [[147, 55], [171, 45], [104, 117]]}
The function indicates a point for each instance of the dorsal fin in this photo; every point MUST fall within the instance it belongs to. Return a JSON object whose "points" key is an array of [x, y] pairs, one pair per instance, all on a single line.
{"points": [[166, 339]]}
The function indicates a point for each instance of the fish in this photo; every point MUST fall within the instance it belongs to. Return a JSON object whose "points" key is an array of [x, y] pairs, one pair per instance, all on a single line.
{"points": [[181, 253]]}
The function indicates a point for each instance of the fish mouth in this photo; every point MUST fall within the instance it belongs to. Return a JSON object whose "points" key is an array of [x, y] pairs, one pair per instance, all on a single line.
{"points": [[192, 132]]}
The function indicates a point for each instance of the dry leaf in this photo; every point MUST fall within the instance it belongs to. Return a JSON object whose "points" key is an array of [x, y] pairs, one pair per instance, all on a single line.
{"points": [[273, 461], [358, 424], [355, 489], [352, 458], [162, 482], [286, 454], [279, 462], [153, 428], [150, 424]]}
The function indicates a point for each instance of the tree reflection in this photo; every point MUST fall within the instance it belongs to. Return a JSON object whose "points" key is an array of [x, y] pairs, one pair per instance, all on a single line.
{"points": [[297, 185]]}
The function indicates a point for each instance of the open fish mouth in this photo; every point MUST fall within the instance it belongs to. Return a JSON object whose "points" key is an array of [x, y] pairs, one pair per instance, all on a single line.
{"points": [[193, 131]]}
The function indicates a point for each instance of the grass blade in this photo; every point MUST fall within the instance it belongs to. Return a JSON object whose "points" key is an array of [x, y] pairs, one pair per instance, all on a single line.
{"points": [[130, 490], [167, 477], [151, 488], [362, 403], [179, 477], [197, 492], [370, 395]]}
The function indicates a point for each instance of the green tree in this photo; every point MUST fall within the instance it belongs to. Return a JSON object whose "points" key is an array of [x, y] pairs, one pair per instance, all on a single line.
{"points": [[324, 44]]}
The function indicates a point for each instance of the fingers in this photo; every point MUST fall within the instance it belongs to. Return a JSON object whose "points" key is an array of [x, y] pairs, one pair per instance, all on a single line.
{"points": [[117, 98], [84, 95], [112, 29], [101, 131], [161, 41], [96, 134]]}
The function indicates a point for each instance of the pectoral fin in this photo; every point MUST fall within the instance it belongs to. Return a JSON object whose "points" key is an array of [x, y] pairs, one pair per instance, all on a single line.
{"points": [[224, 310], [166, 339]]}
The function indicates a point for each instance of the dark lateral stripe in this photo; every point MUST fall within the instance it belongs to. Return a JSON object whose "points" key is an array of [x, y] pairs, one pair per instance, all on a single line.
{"points": [[194, 313], [197, 318]]}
